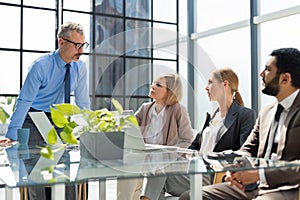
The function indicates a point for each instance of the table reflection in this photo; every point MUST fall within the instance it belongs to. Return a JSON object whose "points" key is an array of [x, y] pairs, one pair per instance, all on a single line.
{"points": [[71, 165]]}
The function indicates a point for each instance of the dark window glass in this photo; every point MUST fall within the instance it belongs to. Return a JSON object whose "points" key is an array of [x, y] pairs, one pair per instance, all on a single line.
{"points": [[138, 9], [137, 77], [109, 35], [109, 76], [138, 38], [112, 7]]}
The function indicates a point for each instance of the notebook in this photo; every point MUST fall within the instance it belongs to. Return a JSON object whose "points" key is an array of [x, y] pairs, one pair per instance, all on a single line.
{"points": [[43, 124]]}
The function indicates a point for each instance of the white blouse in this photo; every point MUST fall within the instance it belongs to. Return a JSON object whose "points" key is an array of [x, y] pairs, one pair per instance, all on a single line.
{"points": [[154, 134], [210, 134]]}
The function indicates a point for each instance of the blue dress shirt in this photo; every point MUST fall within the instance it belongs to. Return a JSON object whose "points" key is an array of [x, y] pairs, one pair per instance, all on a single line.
{"points": [[44, 86]]}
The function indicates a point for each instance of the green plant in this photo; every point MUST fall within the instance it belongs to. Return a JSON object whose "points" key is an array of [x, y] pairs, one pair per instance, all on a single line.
{"points": [[10, 101], [75, 122]]}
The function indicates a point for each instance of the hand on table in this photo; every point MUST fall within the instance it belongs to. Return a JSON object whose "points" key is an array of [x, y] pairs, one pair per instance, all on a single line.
{"points": [[5, 142], [242, 178]]}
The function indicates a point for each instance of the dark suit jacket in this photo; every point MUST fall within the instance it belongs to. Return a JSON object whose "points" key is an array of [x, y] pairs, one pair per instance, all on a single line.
{"points": [[238, 124], [288, 147]]}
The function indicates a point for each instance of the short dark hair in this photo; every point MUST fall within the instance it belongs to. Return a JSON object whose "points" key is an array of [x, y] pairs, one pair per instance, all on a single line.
{"points": [[288, 61]]}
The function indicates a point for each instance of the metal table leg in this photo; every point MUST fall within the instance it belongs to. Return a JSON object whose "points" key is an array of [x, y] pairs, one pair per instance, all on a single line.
{"points": [[58, 192], [9, 194], [196, 187], [102, 189]]}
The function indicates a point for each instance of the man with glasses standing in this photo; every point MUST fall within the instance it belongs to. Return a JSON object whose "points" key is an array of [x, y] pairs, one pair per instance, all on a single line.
{"points": [[46, 84]]}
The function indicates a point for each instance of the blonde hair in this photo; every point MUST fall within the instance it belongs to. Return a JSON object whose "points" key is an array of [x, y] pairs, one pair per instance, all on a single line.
{"points": [[226, 73], [174, 87]]}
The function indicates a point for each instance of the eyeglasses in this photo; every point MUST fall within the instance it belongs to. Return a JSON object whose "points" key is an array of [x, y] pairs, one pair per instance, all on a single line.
{"points": [[158, 84], [78, 45]]}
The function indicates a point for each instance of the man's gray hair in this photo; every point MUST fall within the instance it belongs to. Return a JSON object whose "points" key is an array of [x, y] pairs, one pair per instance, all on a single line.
{"points": [[67, 28]]}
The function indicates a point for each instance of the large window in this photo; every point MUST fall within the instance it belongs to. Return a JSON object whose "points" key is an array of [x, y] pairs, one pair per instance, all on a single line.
{"points": [[224, 39], [134, 41], [129, 43], [27, 31], [273, 37]]}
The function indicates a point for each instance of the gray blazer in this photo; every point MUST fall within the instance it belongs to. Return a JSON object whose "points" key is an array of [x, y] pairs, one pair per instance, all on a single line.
{"points": [[288, 146], [238, 124]]}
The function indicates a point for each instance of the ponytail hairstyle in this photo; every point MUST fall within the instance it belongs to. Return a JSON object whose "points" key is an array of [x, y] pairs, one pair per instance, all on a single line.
{"points": [[226, 73]]}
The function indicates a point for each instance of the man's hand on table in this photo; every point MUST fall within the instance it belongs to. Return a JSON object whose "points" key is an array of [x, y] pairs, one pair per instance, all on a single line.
{"points": [[5, 142], [242, 178]]}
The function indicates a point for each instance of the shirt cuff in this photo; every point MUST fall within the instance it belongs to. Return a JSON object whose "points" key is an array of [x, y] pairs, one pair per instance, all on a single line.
{"points": [[12, 134]]}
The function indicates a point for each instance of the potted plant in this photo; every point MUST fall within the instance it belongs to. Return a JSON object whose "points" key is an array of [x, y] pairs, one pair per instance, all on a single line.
{"points": [[100, 131]]}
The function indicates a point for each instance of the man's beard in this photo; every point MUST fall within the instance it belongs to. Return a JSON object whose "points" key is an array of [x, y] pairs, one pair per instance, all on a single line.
{"points": [[272, 88]]}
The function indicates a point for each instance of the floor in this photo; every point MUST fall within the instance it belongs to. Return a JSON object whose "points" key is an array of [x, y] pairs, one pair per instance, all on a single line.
{"points": [[93, 191]]}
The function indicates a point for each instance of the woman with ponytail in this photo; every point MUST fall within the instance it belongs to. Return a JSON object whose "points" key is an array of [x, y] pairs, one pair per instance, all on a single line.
{"points": [[228, 126]]}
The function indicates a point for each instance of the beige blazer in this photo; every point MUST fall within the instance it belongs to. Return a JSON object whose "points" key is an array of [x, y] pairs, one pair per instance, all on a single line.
{"points": [[177, 129], [288, 147]]}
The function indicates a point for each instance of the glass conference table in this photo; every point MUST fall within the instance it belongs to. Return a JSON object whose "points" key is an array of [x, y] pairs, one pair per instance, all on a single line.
{"points": [[24, 167]]}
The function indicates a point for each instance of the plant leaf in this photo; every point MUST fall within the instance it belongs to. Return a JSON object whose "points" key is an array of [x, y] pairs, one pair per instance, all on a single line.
{"points": [[68, 138], [9, 100], [107, 118], [3, 115], [102, 126], [49, 169], [58, 118], [132, 120], [122, 123], [52, 136], [72, 125], [46, 152], [118, 106], [67, 134], [67, 109]]}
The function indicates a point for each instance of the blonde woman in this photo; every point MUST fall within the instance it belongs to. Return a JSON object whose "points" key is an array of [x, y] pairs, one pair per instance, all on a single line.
{"points": [[164, 121]]}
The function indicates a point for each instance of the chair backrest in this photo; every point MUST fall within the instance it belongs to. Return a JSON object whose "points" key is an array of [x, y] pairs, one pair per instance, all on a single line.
{"points": [[219, 177]]}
